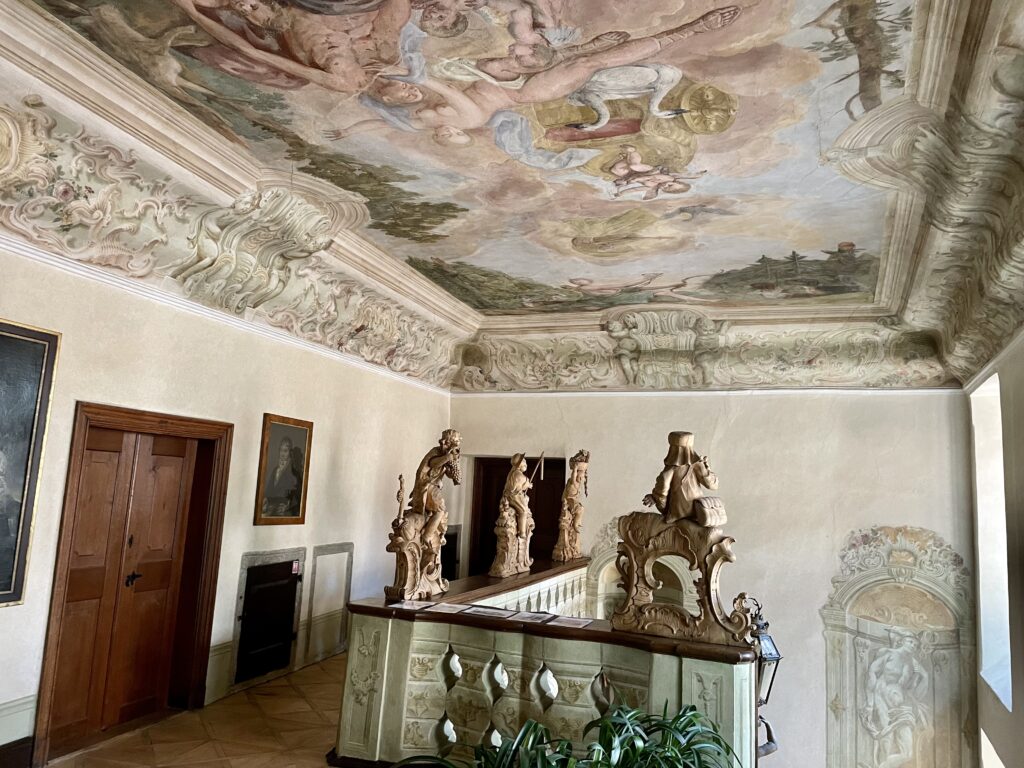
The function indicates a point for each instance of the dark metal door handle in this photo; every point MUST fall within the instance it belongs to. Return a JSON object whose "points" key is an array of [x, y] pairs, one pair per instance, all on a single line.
{"points": [[132, 578]]}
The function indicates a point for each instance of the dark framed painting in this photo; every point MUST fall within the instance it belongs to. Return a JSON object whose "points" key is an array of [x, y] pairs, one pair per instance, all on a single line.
{"points": [[284, 471], [27, 359]]}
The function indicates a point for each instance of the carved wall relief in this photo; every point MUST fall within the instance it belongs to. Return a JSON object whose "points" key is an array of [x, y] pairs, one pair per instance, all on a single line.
{"points": [[900, 653]]}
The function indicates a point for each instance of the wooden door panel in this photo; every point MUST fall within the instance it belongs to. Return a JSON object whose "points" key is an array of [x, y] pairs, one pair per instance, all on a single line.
{"points": [[74, 679], [90, 599], [150, 571]]}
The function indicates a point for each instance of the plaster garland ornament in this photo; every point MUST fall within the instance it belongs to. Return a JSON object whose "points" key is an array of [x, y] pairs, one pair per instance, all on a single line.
{"points": [[240, 255], [570, 521], [71, 193], [687, 525], [514, 528], [417, 534]]}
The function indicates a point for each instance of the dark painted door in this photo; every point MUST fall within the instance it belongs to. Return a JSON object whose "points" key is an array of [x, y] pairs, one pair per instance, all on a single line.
{"points": [[268, 619], [545, 503]]}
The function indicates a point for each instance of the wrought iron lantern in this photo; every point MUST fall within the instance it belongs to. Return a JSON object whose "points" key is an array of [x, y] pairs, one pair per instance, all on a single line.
{"points": [[768, 656]]}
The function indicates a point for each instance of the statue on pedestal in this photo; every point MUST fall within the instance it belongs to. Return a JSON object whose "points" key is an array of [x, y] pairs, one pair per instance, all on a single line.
{"points": [[514, 528], [678, 493], [688, 525], [570, 523], [417, 534]]}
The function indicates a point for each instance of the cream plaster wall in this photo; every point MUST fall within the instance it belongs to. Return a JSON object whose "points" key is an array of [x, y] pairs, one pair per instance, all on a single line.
{"points": [[122, 349], [798, 472], [1003, 727]]}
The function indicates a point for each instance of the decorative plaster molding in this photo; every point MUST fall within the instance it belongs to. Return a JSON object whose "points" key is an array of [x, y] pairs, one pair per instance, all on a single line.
{"points": [[972, 290], [69, 193], [683, 350], [343, 313], [35, 43]]}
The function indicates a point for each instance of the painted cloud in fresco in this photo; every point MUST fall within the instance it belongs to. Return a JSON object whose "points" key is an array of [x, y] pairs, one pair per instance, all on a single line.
{"points": [[547, 155]]}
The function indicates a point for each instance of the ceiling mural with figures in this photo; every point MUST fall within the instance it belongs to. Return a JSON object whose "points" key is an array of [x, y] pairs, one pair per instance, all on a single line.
{"points": [[534, 156]]}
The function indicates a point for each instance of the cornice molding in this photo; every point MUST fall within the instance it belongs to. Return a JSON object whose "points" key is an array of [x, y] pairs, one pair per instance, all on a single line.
{"points": [[22, 249], [685, 350]]}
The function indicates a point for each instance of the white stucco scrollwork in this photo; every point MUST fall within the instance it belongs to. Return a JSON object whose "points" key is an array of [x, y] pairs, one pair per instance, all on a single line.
{"points": [[240, 255]]}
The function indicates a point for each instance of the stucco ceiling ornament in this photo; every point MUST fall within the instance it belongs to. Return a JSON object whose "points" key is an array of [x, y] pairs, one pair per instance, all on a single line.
{"points": [[688, 525], [74, 194], [240, 255], [23, 146], [341, 312], [973, 285], [705, 355], [659, 350]]}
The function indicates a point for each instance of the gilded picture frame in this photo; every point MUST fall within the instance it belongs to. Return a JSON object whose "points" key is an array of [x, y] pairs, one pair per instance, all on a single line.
{"points": [[283, 478], [28, 357]]}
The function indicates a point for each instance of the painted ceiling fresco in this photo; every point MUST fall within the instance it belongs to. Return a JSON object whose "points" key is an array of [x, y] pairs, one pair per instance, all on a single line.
{"points": [[555, 155]]}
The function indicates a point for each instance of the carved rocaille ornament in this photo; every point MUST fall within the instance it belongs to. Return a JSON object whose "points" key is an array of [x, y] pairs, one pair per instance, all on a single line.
{"points": [[418, 533], [240, 255], [570, 521], [686, 525]]}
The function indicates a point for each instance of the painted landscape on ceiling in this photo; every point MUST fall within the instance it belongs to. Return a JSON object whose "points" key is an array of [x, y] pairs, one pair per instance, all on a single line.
{"points": [[554, 155]]}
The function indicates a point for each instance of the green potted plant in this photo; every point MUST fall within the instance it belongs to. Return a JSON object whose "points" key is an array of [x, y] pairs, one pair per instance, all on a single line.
{"points": [[626, 738]]}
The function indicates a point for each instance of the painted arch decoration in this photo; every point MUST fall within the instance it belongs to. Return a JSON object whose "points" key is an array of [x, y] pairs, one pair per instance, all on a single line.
{"points": [[900, 656]]}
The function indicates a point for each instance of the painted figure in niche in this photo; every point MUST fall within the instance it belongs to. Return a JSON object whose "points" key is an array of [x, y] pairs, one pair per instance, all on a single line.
{"points": [[570, 522], [484, 101], [418, 533], [897, 685], [679, 490], [515, 522]]}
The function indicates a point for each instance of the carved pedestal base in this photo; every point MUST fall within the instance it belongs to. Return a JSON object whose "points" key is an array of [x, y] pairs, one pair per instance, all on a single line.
{"points": [[513, 555], [645, 538], [417, 558], [568, 545]]}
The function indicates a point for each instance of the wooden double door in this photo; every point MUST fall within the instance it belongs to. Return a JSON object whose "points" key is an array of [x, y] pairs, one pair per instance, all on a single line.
{"points": [[127, 568]]}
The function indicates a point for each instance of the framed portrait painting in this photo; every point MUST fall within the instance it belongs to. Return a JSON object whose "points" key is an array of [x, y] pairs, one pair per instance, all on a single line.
{"points": [[284, 471], [27, 358]]}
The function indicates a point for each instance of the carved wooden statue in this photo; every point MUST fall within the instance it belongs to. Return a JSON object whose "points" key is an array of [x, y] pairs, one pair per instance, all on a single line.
{"points": [[417, 534], [514, 528], [687, 526], [678, 492], [570, 523]]}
